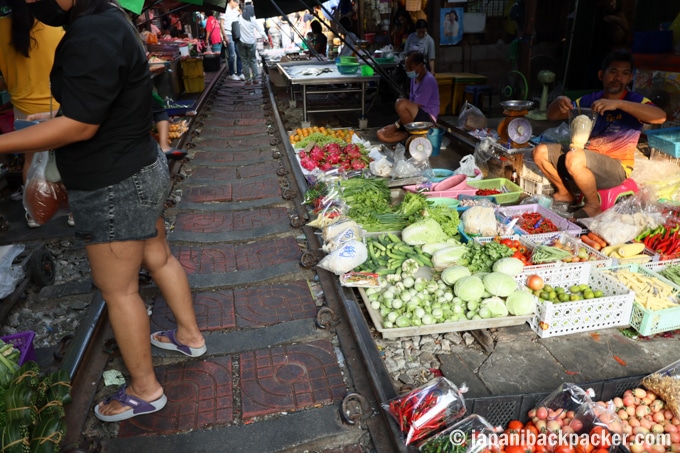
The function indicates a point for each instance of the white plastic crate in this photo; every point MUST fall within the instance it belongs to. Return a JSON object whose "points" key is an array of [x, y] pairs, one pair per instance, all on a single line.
{"points": [[532, 180], [555, 319], [600, 259], [535, 188]]}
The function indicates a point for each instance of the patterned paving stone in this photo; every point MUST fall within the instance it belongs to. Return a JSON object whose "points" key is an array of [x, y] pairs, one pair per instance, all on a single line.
{"points": [[219, 174], [254, 132], [212, 193], [214, 311], [199, 396], [214, 157], [217, 222], [230, 121], [257, 306], [263, 169], [255, 190], [249, 142], [237, 191], [226, 258], [289, 377]]}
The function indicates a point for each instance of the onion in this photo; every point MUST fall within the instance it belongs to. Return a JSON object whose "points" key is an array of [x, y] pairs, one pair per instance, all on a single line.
{"points": [[535, 282]]}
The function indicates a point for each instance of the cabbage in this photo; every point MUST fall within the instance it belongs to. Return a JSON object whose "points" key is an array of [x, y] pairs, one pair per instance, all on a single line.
{"points": [[469, 288], [448, 256], [452, 274], [423, 232], [499, 284], [521, 303], [509, 266], [495, 306]]}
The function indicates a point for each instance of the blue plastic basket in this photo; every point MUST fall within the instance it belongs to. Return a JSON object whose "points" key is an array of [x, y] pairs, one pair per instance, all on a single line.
{"points": [[666, 140]]}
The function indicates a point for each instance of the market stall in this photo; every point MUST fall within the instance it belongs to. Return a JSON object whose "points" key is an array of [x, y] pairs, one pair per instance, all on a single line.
{"points": [[324, 77]]}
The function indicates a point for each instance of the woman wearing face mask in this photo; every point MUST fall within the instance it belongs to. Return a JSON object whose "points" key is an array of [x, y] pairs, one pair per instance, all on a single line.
{"points": [[422, 103], [117, 180]]}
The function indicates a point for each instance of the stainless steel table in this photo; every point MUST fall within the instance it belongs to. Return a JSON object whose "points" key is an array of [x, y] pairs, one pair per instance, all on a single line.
{"points": [[316, 77]]}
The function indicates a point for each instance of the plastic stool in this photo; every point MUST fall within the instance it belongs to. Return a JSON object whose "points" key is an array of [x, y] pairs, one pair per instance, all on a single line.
{"points": [[609, 197], [477, 91]]}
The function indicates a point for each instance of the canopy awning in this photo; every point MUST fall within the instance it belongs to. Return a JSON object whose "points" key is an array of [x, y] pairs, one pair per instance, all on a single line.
{"points": [[273, 8]]}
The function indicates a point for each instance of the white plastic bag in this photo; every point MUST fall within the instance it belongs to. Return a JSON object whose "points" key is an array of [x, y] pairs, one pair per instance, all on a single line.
{"points": [[345, 258], [471, 118], [469, 167], [10, 275]]}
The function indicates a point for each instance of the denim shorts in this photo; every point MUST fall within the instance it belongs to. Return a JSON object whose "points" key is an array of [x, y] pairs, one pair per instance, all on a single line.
{"points": [[126, 211]]}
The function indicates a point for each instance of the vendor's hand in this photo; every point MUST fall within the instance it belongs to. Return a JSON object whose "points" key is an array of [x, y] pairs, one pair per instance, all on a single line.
{"points": [[564, 104], [602, 105]]}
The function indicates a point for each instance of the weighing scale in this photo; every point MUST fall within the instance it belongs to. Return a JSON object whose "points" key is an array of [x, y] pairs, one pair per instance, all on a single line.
{"points": [[418, 145], [515, 129]]}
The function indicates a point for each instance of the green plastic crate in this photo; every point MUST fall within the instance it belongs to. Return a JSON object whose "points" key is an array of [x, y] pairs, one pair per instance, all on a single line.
{"points": [[511, 191]]}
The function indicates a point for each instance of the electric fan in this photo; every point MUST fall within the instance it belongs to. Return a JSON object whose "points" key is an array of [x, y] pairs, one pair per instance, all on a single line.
{"points": [[513, 87]]}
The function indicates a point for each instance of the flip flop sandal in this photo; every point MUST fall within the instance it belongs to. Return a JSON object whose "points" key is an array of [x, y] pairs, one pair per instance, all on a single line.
{"points": [[175, 345], [137, 406]]}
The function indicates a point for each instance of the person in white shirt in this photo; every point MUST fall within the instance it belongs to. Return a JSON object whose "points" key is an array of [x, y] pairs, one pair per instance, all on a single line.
{"points": [[233, 59], [250, 31]]}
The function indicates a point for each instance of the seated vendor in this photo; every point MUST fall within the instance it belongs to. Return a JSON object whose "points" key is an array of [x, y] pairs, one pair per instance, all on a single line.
{"points": [[422, 103], [607, 159]]}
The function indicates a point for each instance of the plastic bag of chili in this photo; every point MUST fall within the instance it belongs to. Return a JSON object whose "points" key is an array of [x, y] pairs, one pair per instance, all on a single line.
{"points": [[427, 409]]}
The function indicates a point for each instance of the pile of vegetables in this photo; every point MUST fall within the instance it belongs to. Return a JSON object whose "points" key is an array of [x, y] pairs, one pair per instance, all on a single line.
{"points": [[535, 223], [664, 240], [387, 254], [407, 300], [32, 409], [650, 292], [672, 273], [639, 418]]}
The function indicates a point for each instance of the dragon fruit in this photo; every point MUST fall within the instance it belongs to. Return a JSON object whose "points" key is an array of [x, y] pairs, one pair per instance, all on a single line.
{"points": [[358, 164], [316, 154], [352, 150], [346, 165], [332, 148], [308, 164], [303, 155], [334, 158], [326, 166]]}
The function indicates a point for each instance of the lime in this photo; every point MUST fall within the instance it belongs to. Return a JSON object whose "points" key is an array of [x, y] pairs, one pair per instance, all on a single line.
{"points": [[598, 293], [584, 287], [575, 289], [548, 288], [588, 294]]}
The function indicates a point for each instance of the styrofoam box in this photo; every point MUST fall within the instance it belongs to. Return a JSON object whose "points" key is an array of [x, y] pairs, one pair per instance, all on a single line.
{"points": [[555, 319]]}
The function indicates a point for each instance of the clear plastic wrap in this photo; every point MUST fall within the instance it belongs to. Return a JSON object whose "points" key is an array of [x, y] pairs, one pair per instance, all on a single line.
{"points": [[600, 414], [43, 198], [340, 232], [624, 221], [480, 221], [473, 434], [427, 409], [10, 274], [471, 118], [666, 384], [567, 397], [562, 247]]}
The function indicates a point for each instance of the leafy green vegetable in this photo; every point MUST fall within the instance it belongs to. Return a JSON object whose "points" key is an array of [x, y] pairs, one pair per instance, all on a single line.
{"points": [[499, 284], [422, 232], [448, 256], [509, 266], [495, 306], [521, 303], [320, 139], [452, 274], [469, 288], [481, 257]]}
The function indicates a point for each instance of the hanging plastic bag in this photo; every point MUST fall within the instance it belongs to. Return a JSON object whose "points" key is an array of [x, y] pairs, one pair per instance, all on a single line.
{"points": [[345, 258], [473, 432], [566, 398], [471, 118], [665, 383], [44, 197]]}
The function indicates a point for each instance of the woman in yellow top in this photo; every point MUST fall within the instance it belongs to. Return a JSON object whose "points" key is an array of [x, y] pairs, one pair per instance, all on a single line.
{"points": [[26, 55]]}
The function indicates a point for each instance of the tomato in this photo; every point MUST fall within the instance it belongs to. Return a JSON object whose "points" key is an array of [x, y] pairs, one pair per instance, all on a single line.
{"points": [[565, 448], [507, 242], [521, 248], [601, 450], [584, 447], [516, 244], [518, 449], [519, 255], [600, 437], [515, 425]]}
